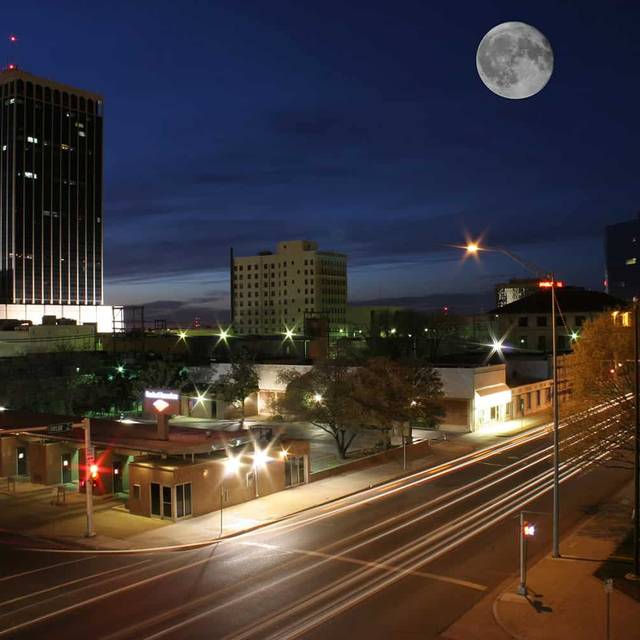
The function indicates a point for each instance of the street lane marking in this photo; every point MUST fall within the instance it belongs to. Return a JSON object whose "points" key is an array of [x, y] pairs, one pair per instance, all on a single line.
{"points": [[389, 568], [102, 596], [50, 566], [4, 603]]}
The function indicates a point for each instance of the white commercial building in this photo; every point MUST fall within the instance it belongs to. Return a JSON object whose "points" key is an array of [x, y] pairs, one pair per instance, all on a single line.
{"points": [[99, 315], [475, 398], [275, 292]]}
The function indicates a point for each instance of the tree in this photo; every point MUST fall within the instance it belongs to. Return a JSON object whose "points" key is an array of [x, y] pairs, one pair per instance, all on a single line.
{"points": [[395, 395], [323, 396], [600, 371], [239, 382]]}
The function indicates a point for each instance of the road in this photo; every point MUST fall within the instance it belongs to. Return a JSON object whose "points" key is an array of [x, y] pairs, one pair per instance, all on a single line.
{"points": [[404, 560]]}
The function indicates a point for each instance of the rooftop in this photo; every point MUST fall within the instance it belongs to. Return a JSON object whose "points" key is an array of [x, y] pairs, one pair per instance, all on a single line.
{"points": [[7, 75], [133, 436], [570, 300]]}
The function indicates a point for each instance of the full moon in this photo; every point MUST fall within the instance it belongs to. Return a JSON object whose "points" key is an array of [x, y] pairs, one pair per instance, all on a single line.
{"points": [[514, 60]]}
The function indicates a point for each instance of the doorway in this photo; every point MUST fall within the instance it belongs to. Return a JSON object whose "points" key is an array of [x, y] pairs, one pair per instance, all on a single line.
{"points": [[65, 462], [21, 461], [117, 476]]}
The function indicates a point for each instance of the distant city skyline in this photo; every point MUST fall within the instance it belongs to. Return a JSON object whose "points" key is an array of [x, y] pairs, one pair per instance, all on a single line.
{"points": [[237, 126]]}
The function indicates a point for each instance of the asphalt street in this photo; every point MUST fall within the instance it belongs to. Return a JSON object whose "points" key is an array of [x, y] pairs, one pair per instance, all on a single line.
{"points": [[404, 560]]}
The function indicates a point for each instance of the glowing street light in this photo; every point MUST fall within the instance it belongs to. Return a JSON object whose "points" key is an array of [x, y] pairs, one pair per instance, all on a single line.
{"points": [[574, 336], [260, 458], [393, 331], [201, 396], [223, 335], [497, 346], [317, 397], [472, 247], [231, 465], [182, 335], [120, 369], [289, 333]]}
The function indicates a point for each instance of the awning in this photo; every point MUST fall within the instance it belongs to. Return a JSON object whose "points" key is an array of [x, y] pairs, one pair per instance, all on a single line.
{"points": [[494, 388], [493, 395]]}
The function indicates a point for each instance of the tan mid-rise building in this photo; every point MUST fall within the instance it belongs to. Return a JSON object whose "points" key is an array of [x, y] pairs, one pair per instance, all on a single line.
{"points": [[275, 292]]}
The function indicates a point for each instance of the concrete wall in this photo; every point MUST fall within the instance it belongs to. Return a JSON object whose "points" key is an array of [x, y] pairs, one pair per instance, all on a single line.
{"points": [[457, 413], [8, 462], [206, 478], [45, 461], [417, 450]]}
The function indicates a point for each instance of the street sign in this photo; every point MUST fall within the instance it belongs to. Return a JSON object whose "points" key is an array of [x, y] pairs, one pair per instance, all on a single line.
{"points": [[62, 427]]}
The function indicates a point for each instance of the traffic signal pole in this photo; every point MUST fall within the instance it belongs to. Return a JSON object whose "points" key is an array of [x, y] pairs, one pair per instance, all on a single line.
{"points": [[88, 483]]}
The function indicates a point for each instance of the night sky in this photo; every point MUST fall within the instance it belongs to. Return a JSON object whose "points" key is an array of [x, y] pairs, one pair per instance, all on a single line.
{"points": [[362, 125]]}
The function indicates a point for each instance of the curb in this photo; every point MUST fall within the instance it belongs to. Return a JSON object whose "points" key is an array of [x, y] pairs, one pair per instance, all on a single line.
{"points": [[571, 532], [203, 543]]}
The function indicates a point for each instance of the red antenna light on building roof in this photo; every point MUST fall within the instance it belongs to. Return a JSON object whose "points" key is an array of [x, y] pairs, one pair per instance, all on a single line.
{"points": [[13, 38]]}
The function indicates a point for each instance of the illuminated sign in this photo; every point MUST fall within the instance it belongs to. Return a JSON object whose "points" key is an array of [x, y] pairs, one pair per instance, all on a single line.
{"points": [[160, 405], [164, 401], [162, 395], [547, 284]]}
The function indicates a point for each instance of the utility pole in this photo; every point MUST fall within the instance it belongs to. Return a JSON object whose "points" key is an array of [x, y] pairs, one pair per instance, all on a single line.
{"points": [[635, 574], [556, 426], [88, 483]]}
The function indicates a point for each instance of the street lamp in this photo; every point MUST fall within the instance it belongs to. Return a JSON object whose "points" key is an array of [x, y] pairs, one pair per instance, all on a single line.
{"points": [[473, 248], [260, 459], [231, 467]]}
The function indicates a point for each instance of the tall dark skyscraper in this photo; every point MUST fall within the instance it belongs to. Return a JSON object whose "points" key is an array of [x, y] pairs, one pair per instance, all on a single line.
{"points": [[622, 249], [50, 192]]}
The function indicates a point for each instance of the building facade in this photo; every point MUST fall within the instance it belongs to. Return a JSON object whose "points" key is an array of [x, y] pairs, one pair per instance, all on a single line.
{"points": [[51, 235], [526, 323], [622, 253], [275, 292], [515, 289]]}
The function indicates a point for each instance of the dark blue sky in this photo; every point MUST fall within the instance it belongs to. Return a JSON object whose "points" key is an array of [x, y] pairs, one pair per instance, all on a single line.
{"points": [[362, 125]]}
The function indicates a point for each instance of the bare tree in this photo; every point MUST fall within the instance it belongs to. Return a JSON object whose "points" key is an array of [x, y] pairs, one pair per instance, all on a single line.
{"points": [[324, 397]]}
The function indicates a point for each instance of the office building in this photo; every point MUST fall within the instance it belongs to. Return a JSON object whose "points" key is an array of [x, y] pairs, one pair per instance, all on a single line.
{"points": [[526, 324], [275, 292], [515, 289], [51, 222], [622, 252]]}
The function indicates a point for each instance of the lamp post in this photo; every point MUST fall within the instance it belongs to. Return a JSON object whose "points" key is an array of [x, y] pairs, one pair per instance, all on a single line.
{"points": [[473, 248], [88, 483], [635, 574]]}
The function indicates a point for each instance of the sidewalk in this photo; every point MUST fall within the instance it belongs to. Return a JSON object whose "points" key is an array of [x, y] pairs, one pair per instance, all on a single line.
{"points": [[32, 513], [566, 597]]}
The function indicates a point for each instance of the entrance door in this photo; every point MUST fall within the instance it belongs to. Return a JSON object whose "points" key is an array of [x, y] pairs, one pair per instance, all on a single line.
{"points": [[65, 461], [117, 476], [166, 502], [155, 499], [294, 471], [21, 461]]}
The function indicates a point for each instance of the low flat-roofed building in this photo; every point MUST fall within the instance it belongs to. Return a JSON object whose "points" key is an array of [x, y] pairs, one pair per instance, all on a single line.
{"points": [[188, 472]]}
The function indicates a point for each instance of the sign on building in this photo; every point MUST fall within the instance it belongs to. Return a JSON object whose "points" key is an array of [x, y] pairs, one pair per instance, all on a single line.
{"points": [[164, 401]]}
